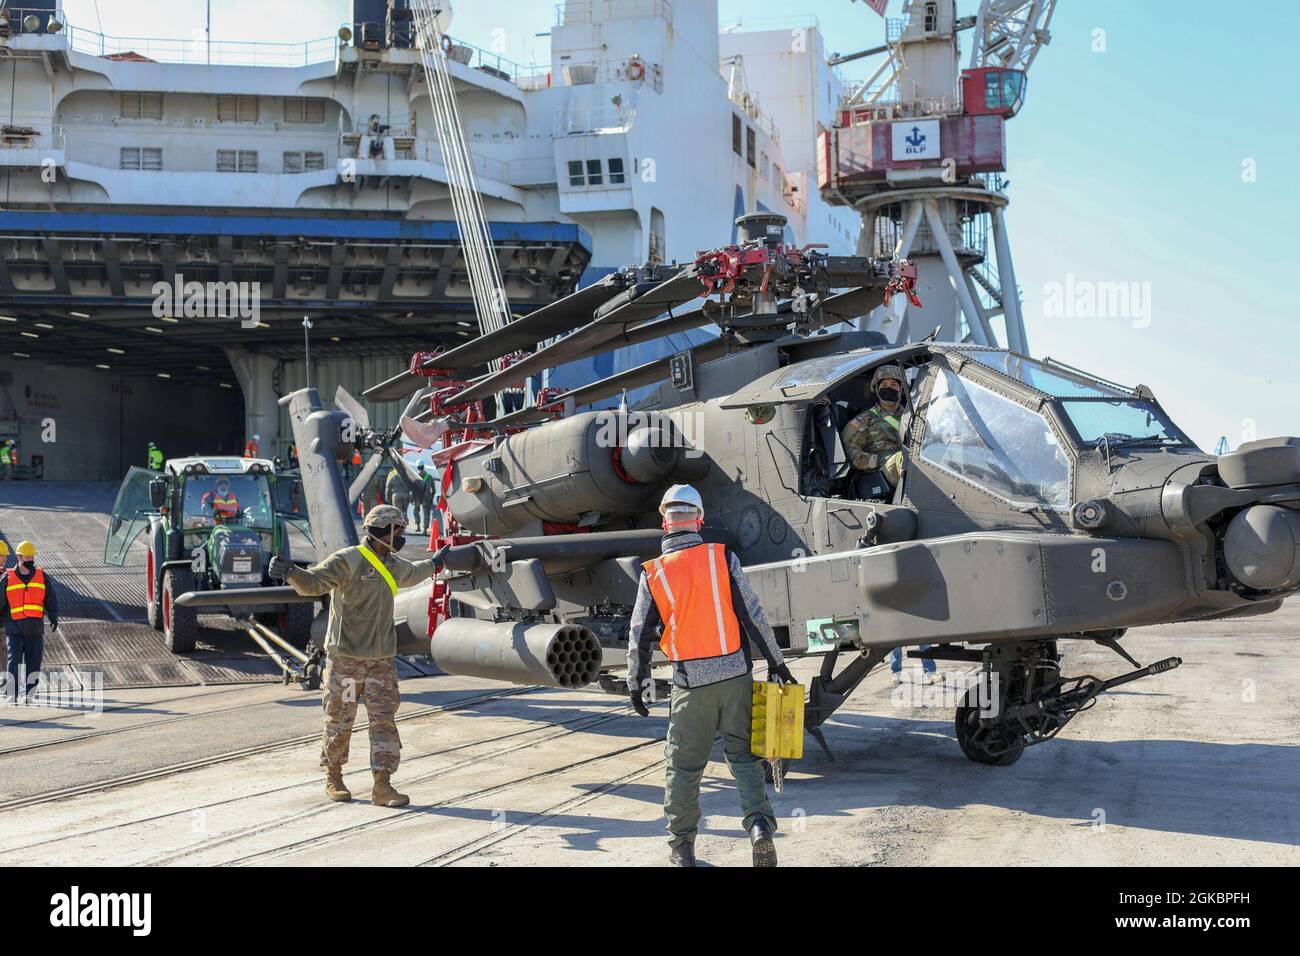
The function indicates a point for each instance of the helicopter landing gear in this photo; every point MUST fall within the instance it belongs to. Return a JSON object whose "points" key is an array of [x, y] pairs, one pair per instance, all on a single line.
{"points": [[1021, 699]]}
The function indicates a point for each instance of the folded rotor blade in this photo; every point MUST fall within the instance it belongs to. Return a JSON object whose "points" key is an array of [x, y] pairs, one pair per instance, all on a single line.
{"points": [[554, 319], [363, 478], [613, 320], [344, 401]]}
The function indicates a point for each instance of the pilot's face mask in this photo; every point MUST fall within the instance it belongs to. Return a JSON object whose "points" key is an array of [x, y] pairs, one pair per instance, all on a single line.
{"points": [[889, 394]]}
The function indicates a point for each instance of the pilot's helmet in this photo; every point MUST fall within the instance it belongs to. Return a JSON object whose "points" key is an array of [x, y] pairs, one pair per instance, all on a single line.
{"points": [[888, 371]]}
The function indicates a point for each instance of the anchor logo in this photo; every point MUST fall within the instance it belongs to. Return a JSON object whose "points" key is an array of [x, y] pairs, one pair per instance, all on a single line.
{"points": [[917, 137]]}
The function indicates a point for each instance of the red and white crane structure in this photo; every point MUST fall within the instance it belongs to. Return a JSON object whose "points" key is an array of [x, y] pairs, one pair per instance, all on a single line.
{"points": [[918, 149]]}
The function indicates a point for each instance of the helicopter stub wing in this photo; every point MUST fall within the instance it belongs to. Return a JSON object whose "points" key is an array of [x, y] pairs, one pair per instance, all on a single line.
{"points": [[560, 316]]}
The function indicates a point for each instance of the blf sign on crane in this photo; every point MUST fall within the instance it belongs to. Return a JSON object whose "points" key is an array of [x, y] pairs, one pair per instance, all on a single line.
{"points": [[915, 139]]}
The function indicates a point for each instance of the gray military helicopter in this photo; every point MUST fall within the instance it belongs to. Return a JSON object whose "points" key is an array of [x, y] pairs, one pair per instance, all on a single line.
{"points": [[1037, 503]]}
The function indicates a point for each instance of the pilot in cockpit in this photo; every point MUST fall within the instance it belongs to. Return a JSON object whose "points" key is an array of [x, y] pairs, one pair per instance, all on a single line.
{"points": [[872, 438]]}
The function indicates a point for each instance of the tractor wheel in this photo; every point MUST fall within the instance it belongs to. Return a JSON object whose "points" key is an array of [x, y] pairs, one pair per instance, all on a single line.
{"points": [[152, 594], [180, 624], [294, 623], [975, 740]]}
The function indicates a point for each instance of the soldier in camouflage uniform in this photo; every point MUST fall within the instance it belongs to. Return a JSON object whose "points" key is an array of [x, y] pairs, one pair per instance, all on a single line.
{"points": [[872, 439], [396, 494], [361, 645]]}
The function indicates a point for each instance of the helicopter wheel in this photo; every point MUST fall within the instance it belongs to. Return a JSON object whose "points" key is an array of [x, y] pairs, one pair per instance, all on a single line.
{"points": [[974, 740]]}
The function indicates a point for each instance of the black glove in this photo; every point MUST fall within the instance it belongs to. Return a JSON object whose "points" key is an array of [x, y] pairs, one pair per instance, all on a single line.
{"points": [[638, 702], [783, 674], [439, 557], [278, 567], [54, 625]]}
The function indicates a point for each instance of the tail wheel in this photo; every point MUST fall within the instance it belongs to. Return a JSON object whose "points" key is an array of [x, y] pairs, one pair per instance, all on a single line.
{"points": [[986, 745], [180, 624], [153, 604]]}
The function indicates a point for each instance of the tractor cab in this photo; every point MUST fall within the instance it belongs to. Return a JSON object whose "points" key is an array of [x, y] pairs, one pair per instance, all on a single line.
{"points": [[214, 523]]}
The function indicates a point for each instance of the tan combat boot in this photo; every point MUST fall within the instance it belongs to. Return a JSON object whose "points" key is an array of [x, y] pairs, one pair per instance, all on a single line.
{"points": [[383, 794], [334, 788]]}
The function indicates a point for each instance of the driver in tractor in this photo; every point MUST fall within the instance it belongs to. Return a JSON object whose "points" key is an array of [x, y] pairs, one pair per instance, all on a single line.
{"points": [[872, 438], [221, 502]]}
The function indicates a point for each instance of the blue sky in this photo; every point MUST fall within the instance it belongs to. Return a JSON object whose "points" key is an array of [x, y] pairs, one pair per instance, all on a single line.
{"points": [[1126, 166]]}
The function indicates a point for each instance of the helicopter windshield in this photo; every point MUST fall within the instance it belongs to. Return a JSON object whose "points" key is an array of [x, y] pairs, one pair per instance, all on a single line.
{"points": [[1126, 421], [1047, 379], [224, 499]]}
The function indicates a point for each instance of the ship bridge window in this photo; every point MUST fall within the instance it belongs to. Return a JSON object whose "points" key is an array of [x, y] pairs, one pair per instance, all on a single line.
{"points": [[617, 177], [594, 177], [300, 109], [237, 109], [737, 143], [147, 106], [995, 443], [236, 160], [145, 158], [751, 146]]}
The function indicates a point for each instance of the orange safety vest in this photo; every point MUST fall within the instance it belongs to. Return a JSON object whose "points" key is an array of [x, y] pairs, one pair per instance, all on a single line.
{"points": [[250, 449], [25, 600], [692, 589], [228, 506]]}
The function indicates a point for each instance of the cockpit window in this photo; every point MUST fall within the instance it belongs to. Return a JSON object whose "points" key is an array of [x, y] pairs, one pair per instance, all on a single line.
{"points": [[1045, 378], [217, 499], [995, 443], [1124, 422]]}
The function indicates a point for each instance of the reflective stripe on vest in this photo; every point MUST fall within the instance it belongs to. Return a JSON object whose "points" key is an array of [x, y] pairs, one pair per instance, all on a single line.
{"points": [[25, 600], [692, 589], [890, 420], [378, 566]]}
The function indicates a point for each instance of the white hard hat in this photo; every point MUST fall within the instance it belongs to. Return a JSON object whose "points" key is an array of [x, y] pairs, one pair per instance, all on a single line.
{"points": [[681, 495], [257, 438]]}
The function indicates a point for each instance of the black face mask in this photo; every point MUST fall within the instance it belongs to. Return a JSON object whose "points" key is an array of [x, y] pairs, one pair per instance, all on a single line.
{"points": [[396, 542], [28, 565], [890, 396]]}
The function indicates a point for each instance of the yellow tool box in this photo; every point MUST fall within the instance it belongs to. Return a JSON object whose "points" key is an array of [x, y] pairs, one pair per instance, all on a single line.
{"points": [[776, 728]]}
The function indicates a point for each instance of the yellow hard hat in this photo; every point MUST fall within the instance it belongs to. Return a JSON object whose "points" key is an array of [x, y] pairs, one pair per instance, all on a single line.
{"points": [[4, 549], [26, 549]]}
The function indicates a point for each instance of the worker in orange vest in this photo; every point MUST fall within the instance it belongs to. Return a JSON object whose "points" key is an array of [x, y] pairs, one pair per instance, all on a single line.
{"points": [[250, 446], [696, 599], [29, 598]]}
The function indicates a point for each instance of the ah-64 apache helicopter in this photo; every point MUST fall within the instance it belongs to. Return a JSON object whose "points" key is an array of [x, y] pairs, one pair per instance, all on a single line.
{"points": [[1036, 504]]}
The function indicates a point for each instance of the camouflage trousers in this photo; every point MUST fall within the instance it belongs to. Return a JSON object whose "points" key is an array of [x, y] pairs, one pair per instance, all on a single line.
{"points": [[350, 681]]}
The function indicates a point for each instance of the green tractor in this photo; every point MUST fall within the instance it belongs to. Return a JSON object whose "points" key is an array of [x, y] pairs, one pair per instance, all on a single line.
{"points": [[213, 523]]}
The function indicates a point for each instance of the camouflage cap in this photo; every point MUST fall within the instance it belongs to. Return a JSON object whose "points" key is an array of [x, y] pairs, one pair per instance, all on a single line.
{"points": [[384, 516], [888, 371]]}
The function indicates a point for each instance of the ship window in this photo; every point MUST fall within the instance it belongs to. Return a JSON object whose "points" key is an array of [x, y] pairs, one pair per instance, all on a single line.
{"points": [[146, 158], [658, 243], [298, 162], [594, 177], [995, 443], [236, 160], [616, 176], [736, 142], [300, 109], [763, 166], [751, 146], [237, 109], [142, 106], [576, 178]]}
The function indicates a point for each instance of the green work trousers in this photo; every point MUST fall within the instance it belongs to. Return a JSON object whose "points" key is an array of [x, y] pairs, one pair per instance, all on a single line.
{"points": [[697, 715]]}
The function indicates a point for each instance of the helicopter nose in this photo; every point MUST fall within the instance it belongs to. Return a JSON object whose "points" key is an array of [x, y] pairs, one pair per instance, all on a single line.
{"points": [[1261, 547]]}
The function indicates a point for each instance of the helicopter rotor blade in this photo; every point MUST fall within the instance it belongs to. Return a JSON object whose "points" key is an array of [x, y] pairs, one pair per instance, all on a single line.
{"points": [[345, 402], [420, 396], [363, 478], [404, 470]]}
